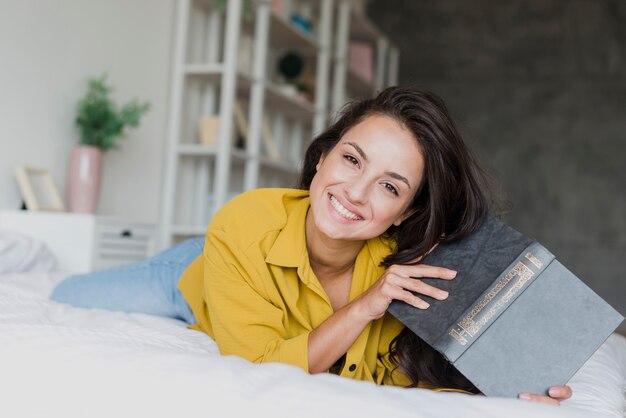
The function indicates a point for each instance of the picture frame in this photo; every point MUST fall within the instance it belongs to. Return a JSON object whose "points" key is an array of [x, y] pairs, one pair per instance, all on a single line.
{"points": [[38, 189]]}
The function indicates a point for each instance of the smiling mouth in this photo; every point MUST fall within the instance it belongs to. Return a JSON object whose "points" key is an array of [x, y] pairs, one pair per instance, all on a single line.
{"points": [[343, 211]]}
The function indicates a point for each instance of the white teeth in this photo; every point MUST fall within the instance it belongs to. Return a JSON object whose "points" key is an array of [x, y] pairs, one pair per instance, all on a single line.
{"points": [[343, 211]]}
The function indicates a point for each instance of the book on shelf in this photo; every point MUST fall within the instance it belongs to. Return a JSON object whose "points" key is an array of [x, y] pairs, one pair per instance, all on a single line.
{"points": [[516, 320]]}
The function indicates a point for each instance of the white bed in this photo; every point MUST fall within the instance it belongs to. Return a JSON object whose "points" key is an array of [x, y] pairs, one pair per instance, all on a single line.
{"points": [[59, 361]]}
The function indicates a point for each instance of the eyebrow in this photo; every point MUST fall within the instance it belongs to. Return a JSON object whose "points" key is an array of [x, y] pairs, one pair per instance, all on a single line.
{"points": [[389, 173]]}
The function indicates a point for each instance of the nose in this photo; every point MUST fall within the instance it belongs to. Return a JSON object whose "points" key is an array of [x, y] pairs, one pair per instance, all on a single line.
{"points": [[357, 190]]}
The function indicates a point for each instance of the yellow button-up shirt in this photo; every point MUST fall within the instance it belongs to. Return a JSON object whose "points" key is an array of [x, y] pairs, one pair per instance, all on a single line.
{"points": [[254, 292]]}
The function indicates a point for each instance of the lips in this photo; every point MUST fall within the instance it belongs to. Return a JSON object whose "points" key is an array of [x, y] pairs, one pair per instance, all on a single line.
{"points": [[343, 211]]}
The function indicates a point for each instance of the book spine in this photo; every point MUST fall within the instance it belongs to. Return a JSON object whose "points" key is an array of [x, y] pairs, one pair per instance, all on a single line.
{"points": [[494, 301]]}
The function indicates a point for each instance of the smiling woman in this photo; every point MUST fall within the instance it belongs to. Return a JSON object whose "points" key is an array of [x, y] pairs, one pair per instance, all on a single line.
{"points": [[305, 276]]}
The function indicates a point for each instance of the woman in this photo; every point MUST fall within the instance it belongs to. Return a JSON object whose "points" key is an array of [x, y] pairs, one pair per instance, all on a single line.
{"points": [[305, 276]]}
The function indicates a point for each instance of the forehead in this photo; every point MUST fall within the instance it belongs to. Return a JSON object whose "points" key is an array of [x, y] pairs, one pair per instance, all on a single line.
{"points": [[383, 132]]}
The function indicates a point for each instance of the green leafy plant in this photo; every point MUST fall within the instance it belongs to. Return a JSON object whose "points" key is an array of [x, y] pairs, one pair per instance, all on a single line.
{"points": [[100, 122]]}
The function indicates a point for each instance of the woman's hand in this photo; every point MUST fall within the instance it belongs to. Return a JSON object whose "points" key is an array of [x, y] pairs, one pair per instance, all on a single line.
{"points": [[557, 394], [397, 283]]}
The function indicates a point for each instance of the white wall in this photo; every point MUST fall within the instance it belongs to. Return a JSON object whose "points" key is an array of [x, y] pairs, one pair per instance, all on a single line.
{"points": [[48, 49]]}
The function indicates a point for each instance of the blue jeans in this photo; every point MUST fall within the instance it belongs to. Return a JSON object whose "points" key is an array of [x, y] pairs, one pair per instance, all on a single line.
{"points": [[149, 286]]}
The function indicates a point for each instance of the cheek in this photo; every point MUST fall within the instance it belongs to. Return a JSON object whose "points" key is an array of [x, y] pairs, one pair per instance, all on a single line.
{"points": [[390, 210]]}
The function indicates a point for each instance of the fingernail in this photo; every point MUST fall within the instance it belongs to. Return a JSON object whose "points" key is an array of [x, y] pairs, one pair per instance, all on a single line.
{"points": [[524, 396], [425, 305], [443, 294], [554, 392], [451, 274]]}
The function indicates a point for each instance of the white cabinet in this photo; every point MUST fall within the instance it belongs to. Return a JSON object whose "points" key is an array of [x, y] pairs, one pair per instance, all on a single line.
{"points": [[83, 243], [236, 121]]}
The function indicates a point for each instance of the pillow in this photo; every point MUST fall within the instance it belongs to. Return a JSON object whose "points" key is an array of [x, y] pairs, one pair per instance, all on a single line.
{"points": [[600, 384], [20, 254]]}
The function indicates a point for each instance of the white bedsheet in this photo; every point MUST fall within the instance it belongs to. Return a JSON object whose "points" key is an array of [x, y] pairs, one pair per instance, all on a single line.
{"points": [[59, 361]]}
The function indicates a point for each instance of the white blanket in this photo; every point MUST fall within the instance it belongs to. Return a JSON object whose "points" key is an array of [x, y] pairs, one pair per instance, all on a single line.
{"points": [[59, 361]]}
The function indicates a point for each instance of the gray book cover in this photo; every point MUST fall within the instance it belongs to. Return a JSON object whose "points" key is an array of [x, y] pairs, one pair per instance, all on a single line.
{"points": [[516, 320]]}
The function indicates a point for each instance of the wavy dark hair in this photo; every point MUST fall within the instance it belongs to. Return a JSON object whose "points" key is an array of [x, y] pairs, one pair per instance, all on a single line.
{"points": [[455, 195]]}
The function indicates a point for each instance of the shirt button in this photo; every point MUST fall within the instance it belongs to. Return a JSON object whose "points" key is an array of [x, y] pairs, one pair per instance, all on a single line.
{"points": [[352, 367]]}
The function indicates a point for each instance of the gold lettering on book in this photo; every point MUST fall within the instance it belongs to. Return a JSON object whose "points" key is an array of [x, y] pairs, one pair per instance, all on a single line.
{"points": [[531, 257], [457, 336], [475, 319]]}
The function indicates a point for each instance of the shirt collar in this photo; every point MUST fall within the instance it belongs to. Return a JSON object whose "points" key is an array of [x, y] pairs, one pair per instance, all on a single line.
{"points": [[290, 246]]}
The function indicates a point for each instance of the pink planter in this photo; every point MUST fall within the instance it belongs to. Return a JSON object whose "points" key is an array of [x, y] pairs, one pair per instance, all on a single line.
{"points": [[83, 179]]}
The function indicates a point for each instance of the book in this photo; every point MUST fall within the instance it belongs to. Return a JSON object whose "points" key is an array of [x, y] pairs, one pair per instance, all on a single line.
{"points": [[516, 320]]}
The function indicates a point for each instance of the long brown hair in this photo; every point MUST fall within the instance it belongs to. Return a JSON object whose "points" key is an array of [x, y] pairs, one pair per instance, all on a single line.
{"points": [[451, 202]]}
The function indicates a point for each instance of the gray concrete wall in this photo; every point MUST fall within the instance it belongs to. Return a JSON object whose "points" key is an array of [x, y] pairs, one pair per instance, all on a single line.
{"points": [[539, 91]]}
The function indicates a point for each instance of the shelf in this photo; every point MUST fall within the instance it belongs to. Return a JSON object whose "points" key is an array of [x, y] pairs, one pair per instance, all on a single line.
{"points": [[214, 69], [198, 150], [279, 165], [284, 34], [276, 99]]}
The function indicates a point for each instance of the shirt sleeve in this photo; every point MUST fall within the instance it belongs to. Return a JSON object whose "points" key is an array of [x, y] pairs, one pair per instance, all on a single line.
{"points": [[244, 321]]}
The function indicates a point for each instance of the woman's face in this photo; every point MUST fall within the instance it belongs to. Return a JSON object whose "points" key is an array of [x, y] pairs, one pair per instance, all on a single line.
{"points": [[367, 181]]}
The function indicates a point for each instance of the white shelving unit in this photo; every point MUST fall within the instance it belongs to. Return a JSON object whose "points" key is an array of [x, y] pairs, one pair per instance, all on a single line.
{"points": [[225, 60], [207, 80]]}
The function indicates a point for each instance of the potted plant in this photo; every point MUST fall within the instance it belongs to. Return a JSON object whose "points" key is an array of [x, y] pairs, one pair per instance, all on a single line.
{"points": [[101, 124]]}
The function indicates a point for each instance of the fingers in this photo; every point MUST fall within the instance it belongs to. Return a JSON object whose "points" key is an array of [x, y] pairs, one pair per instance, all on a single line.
{"points": [[418, 286], [401, 281], [560, 392], [557, 394], [423, 270], [411, 299], [538, 398]]}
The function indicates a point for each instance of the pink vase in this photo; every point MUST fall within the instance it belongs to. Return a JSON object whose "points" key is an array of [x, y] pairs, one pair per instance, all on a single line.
{"points": [[83, 179]]}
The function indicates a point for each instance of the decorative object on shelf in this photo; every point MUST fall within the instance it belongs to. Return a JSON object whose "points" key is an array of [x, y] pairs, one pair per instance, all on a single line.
{"points": [[291, 67], [301, 23], [208, 127], [38, 189], [101, 124], [361, 59]]}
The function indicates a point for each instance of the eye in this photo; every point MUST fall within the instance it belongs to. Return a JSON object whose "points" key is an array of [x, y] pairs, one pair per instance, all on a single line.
{"points": [[391, 188], [351, 158]]}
